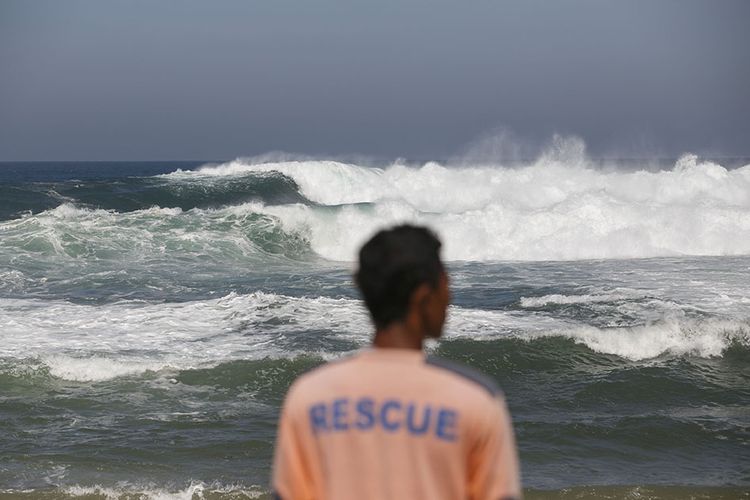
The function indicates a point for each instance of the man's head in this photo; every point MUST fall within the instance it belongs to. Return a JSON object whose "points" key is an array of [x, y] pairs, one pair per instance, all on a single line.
{"points": [[403, 281]]}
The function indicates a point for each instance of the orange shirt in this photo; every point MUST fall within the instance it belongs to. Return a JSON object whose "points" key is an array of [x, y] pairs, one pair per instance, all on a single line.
{"points": [[393, 423]]}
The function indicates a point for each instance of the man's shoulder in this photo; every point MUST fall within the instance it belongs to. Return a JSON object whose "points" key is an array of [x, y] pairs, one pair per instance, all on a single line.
{"points": [[319, 376], [465, 374], [449, 378]]}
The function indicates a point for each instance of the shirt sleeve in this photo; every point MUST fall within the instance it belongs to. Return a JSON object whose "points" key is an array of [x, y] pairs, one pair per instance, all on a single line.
{"points": [[493, 464], [292, 477]]}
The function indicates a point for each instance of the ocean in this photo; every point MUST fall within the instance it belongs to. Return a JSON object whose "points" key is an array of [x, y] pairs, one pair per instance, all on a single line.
{"points": [[153, 314]]}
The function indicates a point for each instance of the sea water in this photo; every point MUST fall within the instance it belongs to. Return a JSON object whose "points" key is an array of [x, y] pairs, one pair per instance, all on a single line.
{"points": [[152, 316]]}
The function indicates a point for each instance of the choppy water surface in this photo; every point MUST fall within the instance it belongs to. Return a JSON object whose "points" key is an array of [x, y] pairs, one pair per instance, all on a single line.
{"points": [[153, 316]]}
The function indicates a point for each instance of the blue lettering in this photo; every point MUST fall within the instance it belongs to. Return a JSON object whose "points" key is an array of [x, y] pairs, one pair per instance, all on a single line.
{"points": [[411, 417], [365, 414], [318, 417], [389, 425], [339, 414], [446, 424], [392, 415]]}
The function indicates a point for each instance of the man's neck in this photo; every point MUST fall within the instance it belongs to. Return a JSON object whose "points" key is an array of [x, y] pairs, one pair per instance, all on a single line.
{"points": [[397, 336]]}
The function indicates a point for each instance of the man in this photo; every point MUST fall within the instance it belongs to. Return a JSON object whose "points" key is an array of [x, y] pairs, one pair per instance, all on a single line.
{"points": [[390, 422]]}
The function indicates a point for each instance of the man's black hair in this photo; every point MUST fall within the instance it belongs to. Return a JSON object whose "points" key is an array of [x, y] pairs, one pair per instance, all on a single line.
{"points": [[392, 265]]}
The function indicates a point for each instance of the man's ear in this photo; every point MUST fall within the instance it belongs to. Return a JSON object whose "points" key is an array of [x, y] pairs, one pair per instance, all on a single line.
{"points": [[420, 295]]}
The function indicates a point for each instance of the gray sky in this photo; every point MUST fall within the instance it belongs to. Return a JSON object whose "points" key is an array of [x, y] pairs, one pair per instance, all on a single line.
{"points": [[140, 80]]}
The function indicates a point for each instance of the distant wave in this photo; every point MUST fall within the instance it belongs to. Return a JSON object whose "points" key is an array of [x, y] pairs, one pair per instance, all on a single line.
{"points": [[127, 194], [549, 210], [69, 232]]}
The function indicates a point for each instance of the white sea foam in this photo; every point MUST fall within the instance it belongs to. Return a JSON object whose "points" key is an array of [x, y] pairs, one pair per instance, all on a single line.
{"points": [[482, 325], [195, 490], [554, 209], [68, 233], [561, 299], [671, 336], [548, 210], [95, 343], [12, 281], [325, 182], [89, 343], [674, 333], [93, 368]]}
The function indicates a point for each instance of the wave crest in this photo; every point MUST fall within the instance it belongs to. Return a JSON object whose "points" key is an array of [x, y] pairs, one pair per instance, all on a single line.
{"points": [[549, 210], [669, 337], [561, 207], [94, 343]]}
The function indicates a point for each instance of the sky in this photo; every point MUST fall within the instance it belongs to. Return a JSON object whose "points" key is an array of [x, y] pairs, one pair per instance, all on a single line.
{"points": [[212, 80]]}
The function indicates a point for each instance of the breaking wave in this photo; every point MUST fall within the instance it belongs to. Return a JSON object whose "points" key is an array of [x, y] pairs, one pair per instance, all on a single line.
{"points": [[549, 210], [557, 208], [70, 232], [93, 343]]}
